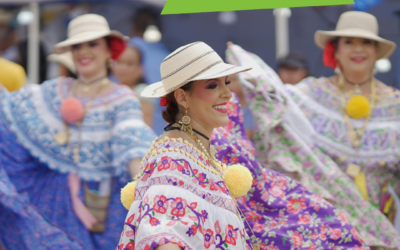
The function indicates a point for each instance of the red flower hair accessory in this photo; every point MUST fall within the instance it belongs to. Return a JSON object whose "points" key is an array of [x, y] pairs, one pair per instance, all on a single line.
{"points": [[117, 46], [329, 55], [164, 101]]}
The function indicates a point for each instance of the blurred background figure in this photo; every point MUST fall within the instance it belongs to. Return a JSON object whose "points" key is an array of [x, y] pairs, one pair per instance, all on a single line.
{"points": [[23, 57], [65, 64], [234, 86], [146, 37], [293, 68], [129, 71], [8, 36]]}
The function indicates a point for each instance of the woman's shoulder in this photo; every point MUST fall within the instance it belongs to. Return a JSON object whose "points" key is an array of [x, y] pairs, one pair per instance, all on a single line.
{"points": [[178, 148], [120, 95]]}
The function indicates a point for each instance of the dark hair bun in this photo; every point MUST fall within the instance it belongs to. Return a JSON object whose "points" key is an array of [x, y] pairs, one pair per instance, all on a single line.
{"points": [[172, 110]]}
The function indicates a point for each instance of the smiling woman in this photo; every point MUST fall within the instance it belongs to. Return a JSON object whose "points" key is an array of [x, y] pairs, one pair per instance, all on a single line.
{"points": [[78, 142], [184, 196]]}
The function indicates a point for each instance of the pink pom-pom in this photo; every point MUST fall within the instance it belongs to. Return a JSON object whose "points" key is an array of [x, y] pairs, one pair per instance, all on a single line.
{"points": [[72, 110]]}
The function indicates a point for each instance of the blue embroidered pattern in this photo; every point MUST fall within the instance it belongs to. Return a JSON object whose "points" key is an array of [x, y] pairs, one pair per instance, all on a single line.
{"points": [[113, 131]]}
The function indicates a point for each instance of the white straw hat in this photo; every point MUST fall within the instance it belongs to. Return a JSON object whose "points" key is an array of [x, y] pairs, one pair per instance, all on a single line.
{"points": [[86, 28], [192, 62], [357, 24], [64, 59]]}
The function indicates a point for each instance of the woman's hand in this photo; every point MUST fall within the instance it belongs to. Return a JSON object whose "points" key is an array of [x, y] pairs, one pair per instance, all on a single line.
{"points": [[81, 211], [229, 43]]}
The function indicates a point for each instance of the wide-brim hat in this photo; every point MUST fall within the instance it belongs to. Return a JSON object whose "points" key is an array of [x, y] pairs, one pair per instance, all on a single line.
{"points": [[86, 28], [192, 62], [64, 59], [357, 24]]}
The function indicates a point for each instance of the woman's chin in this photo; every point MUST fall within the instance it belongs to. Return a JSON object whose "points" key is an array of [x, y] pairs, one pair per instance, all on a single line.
{"points": [[223, 122]]}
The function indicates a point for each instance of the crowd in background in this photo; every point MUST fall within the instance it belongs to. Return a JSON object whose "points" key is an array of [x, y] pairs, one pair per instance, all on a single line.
{"points": [[138, 66]]}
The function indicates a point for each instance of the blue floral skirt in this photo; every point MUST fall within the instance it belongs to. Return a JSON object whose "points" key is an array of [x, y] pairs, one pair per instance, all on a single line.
{"points": [[36, 208]]}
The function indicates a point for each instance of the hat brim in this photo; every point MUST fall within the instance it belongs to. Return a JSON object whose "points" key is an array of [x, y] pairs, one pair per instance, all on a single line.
{"points": [[156, 90], [385, 47], [64, 46], [63, 59]]}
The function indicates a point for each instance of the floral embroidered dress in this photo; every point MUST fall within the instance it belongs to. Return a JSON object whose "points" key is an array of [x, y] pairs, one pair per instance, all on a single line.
{"points": [[281, 212], [302, 133], [16, 207], [113, 133], [177, 199]]}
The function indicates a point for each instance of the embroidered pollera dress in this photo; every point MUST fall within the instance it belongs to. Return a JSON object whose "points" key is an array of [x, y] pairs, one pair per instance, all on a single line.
{"points": [[113, 133], [301, 132], [178, 199], [281, 212]]}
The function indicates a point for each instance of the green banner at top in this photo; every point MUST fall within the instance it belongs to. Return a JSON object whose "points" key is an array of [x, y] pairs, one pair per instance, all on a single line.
{"points": [[199, 6]]}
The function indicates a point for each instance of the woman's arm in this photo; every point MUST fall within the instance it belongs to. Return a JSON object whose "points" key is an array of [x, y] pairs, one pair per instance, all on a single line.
{"points": [[134, 166], [148, 110]]}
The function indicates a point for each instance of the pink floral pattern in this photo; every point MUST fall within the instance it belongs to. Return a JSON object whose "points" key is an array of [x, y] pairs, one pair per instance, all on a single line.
{"points": [[180, 211]]}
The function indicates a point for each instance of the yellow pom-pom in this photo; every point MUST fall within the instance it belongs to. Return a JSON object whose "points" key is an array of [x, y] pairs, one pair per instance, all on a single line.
{"points": [[358, 107], [128, 194], [238, 179]]}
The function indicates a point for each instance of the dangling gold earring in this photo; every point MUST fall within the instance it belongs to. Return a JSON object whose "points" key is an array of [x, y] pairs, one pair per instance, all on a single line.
{"points": [[185, 122]]}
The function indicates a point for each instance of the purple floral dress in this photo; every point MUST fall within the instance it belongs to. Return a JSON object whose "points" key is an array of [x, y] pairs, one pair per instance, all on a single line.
{"points": [[281, 212]]}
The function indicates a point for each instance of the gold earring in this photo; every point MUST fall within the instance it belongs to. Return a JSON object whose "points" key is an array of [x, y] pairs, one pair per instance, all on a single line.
{"points": [[185, 122]]}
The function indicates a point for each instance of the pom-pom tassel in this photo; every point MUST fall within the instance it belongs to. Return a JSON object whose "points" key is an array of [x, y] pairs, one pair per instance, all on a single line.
{"points": [[128, 194], [238, 179], [72, 110], [358, 107]]}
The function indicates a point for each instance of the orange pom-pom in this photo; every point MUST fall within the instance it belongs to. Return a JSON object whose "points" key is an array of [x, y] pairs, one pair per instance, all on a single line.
{"points": [[72, 110]]}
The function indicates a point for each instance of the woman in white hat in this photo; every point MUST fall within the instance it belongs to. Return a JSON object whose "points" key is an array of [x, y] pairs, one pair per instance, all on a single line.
{"points": [[337, 134], [184, 195], [70, 144]]}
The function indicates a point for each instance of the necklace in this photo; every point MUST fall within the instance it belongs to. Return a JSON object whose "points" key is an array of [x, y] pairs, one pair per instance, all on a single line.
{"points": [[86, 86], [170, 127], [214, 162], [356, 135], [210, 156], [62, 137]]}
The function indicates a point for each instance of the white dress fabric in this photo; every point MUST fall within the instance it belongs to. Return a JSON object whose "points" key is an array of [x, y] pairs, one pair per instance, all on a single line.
{"points": [[178, 199]]}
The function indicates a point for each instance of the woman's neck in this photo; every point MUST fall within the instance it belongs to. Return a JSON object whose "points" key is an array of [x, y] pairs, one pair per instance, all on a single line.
{"points": [[362, 79], [200, 128], [130, 84], [86, 78]]}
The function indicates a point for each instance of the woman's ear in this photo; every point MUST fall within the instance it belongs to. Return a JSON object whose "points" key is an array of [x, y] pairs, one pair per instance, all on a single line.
{"points": [[181, 98]]}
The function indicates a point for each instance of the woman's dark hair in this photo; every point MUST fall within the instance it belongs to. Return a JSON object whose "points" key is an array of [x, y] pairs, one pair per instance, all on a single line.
{"points": [[108, 66], [70, 74], [24, 56], [172, 110], [335, 42]]}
